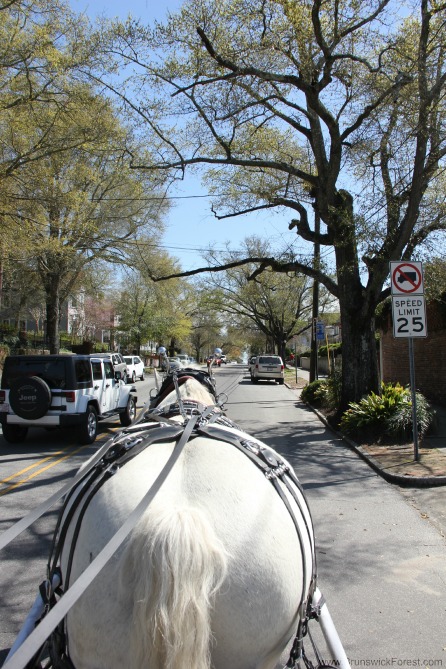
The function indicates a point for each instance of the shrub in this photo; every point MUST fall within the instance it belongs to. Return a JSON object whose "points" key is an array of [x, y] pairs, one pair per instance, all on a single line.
{"points": [[400, 423], [314, 391], [332, 391], [391, 412], [335, 349]]}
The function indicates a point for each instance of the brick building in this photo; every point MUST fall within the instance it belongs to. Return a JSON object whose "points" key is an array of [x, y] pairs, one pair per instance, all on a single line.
{"points": [[429, 355]]}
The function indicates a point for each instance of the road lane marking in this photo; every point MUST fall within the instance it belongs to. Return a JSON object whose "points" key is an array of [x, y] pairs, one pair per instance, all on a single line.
{"points": [[43, 469], [26, 469]]}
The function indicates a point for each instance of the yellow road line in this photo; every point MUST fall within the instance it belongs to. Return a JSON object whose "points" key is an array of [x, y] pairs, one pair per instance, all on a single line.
{"points": [[42, 469], [26, 469]]}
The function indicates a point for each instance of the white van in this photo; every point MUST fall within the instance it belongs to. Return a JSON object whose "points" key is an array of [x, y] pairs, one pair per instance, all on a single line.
{"points": [[267, 367]]}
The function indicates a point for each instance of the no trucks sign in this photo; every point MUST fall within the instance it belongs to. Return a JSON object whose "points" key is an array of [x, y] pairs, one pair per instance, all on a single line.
{"points": [[406, 278]]}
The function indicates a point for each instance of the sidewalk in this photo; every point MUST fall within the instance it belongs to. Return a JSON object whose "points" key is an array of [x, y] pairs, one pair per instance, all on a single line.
{"points": [[396, 463]]}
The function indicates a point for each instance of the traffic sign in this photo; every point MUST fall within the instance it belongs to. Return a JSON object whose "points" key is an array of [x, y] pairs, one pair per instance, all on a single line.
{"points": [[406, 278], [409, 316], [320, 330]]}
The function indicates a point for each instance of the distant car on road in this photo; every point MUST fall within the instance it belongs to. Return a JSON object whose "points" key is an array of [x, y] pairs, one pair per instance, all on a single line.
{"points": [[135, 367], [182, 357], [175, 363]]}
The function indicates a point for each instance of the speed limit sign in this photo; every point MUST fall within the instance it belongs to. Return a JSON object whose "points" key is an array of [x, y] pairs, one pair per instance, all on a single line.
{"points": [[409, 316]]}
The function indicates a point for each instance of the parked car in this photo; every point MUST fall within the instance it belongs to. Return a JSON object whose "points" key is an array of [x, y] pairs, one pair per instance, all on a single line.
{"points": [[267, 367], [135, 367], [72, 391], [118, 362]]}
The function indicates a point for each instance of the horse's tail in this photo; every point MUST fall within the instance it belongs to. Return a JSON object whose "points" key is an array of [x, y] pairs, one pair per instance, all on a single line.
{"points": [[175, 564]]}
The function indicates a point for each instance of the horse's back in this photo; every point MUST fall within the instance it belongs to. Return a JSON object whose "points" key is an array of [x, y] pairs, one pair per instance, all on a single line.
{"points": [[230, 501]]}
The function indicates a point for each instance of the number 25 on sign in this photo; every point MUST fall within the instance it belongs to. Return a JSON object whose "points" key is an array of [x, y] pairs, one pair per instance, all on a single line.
{"points": [[409, 316]]}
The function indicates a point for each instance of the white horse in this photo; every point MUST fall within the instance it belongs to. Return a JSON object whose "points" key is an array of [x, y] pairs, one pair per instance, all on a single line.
{"points": [[214, 574]]}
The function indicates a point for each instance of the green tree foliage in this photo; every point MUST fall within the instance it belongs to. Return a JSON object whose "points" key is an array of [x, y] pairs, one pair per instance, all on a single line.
{"points": [[209, 327], [435, 279], [149, 311], [334, 106], [80, 205], [43, 48]]}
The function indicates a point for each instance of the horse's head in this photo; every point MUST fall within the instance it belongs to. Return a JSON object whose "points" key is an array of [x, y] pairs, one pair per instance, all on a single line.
{"points": [[192, 384]]}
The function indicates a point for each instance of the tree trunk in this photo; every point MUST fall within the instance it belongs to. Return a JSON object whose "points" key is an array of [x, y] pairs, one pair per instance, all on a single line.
{"points": [[359, 355], [357, 309], [315, 308], [52, 316]]}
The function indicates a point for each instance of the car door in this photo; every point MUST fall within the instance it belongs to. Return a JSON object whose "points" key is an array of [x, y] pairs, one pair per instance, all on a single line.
{"points": [[139, 367], [110, 396], [98, 382]]}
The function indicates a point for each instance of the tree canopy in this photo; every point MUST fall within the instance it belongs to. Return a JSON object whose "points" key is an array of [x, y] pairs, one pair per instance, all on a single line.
{"points": [[331, 110], [277, 305], [68, 197], [149, 311]]}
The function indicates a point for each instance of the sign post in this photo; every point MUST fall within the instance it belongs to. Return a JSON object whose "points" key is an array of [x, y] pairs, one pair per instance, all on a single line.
{"points": [[319, 330], [409, 318]]}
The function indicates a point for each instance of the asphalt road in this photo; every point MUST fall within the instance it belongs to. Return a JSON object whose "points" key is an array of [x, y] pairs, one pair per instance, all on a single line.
{"points": [[381, 565]]}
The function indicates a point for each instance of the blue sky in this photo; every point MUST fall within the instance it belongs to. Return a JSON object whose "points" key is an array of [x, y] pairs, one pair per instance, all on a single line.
{"points": [[190, 225]]}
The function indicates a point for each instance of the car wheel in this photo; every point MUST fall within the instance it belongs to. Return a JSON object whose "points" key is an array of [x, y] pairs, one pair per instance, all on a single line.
{"points": [[133, 377], [281, 382], [254, 379], [14, 434], [89, 428], [142, 377], [128, 415], [30, 397]]}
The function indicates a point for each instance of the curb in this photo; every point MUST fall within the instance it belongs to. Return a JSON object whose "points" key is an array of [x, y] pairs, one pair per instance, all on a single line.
{"points": [[398, 479]]}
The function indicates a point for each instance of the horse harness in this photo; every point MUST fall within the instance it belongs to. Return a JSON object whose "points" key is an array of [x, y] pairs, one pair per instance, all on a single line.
{"points": [[155, 426]]}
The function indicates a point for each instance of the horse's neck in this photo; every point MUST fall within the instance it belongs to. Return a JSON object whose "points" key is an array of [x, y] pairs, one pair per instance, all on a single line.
{"points": [[189, 390]]}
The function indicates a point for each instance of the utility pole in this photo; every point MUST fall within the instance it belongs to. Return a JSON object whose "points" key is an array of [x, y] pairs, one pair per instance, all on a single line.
{"points": [[315, 309]]}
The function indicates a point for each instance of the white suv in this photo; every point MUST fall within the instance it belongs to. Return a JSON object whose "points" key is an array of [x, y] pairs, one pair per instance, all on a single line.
{"points": [[267, 367], [62, 391], [135, 367]]}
